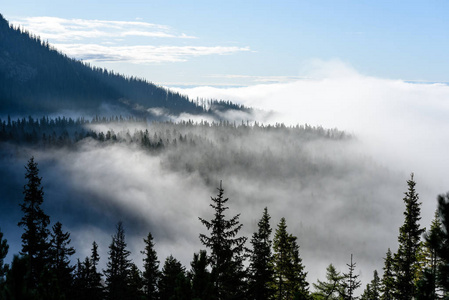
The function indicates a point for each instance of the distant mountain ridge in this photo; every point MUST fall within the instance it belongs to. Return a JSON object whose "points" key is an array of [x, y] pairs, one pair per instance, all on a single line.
{"points": [[36, 78]]}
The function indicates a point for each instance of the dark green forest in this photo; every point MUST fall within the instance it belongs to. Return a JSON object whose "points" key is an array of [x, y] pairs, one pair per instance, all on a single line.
{"points": [[268, 267], [36, 78], [310, 176]]}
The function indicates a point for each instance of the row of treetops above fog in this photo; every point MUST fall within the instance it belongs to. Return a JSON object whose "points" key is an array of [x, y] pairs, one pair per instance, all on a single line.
{"points": [[64, 122], [43, 270]]}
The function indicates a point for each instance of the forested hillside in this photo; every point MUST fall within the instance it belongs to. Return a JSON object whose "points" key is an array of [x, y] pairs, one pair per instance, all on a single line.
{"points": [[156, 179], [36, 78], [271, 267]]}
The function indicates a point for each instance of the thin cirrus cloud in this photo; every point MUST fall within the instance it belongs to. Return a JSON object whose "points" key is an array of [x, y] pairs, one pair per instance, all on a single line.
{"points": [[142, 54], [117, 41], [63, 30]]}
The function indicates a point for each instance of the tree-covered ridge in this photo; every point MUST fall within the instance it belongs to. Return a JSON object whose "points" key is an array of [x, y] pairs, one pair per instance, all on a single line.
{"points": [[63, 131], [35, 77], [209, 148], [45, 268]]}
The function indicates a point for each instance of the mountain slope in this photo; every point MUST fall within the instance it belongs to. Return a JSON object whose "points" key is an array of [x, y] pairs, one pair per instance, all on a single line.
{"points": [[35, 78]]}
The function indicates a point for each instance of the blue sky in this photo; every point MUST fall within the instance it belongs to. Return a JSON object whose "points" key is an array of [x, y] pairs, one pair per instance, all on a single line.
{"points": [[245, 42]]}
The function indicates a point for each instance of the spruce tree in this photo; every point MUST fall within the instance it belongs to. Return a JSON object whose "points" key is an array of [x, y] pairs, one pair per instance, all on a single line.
{"points": [[3, 252], [174, 283], [200, 277], [60, 253], [35, 243], [372, 291], [443, 250], [388, 280], [151, 273], [406, 259], [95, 288], [289, 276], [427, 284], [227, 250], [261, 273], [118, 267], [351, 281], [135, 283]]}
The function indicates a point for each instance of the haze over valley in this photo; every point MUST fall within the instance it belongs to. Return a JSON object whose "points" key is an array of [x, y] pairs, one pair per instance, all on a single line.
{"points": [[329, 148]]}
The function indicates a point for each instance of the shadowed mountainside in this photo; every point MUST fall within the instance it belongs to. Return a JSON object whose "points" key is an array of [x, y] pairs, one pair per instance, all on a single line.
{"points": [[35, 78]]}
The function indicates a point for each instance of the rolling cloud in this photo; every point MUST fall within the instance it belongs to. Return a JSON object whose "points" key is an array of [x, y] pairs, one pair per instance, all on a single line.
{"points": [[338, 196]]}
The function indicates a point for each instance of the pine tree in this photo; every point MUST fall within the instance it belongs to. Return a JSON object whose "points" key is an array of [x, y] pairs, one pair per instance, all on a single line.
{"points": [[18, 283], [443, 250], [3, 252], [388, 280], [427, 284], [151, 273], [118, 267], [406, 259], [174, 283], [35, 243], [333, 288], [135, 283], [95, 288], [261, 273], [60, 253], [372, 291], [366, 293], [200, 277], [289, 276], [352, 283], [227, 249]]}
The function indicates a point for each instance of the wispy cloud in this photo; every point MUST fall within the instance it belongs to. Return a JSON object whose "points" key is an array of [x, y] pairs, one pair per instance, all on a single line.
{"points": [[63, 30], [134, 42], [141, 54]]}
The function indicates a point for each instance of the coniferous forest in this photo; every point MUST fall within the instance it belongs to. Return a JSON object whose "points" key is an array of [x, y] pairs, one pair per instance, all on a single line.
{"points": [[270, 268], [115, 188]]}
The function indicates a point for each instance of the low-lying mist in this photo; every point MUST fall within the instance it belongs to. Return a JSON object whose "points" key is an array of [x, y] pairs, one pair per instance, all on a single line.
{"points": [[335, 198], [341, 194]]}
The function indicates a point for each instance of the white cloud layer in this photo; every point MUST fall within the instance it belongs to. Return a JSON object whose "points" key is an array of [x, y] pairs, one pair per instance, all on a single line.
{"points": [[403, 125]]}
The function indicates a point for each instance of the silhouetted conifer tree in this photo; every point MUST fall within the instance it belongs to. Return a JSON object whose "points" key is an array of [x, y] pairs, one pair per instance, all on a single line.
{"points": [[135, 283], [35, 243], [60, 253], [406, 264], [290, 278], [351, 281], [118, 267], [174, 284], [151, 273], [388, 280], [261, 273], [372, 291], [227, 250], [18, 282], [95, 288], [3, 252], [200, 277]]}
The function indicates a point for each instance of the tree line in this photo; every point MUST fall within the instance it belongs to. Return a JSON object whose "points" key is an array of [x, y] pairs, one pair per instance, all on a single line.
{"points": [[66, 132], [271, 268], [36, 77]]}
